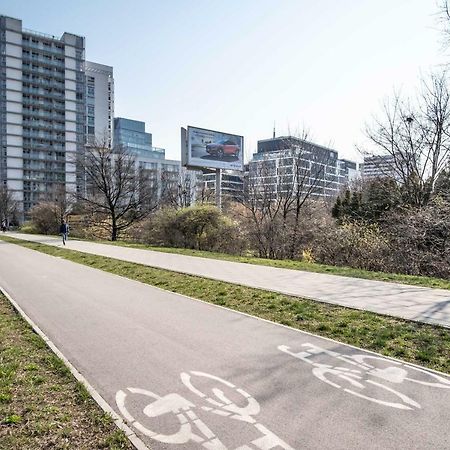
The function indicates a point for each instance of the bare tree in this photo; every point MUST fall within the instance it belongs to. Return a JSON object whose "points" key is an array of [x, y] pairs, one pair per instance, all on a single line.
{"points": [[177, 189], [415, 136], [8, 205], [278, 189], [62, 202], [116, 193], [443, 16], [205, 195]]}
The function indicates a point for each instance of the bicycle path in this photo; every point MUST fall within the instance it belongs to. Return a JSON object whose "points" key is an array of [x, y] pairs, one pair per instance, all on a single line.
{"points": [[398, 300], [190, 375]]}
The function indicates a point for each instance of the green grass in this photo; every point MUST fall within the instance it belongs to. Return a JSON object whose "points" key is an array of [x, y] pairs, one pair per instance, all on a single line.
{"points": [[423, 344], [41, 403], [413, 280]]}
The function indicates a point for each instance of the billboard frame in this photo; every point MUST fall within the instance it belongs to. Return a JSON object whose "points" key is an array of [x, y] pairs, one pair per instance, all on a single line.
{"points": [[185, 157]]}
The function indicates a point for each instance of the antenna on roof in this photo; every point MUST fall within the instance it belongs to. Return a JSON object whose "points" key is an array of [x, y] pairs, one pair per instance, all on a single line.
{"points": [[274, 129]]}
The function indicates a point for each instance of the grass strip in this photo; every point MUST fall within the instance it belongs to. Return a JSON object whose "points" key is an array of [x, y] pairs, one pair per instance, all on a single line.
{"points": [[423, 344], [413, 280], [41, 404]]}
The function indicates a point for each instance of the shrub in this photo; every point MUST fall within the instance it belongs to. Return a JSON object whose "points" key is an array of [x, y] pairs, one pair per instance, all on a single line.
{"points": [[28, 227], [354, 244], [45, 218], [420, 240], [201, 227]]}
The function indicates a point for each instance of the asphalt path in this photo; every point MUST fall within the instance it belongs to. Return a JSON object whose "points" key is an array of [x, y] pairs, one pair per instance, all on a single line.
{"points": [[398, 300], [186, 374]]}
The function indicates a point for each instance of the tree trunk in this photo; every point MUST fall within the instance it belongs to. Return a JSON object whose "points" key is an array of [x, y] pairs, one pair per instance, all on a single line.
{"points": [[114, 230]]}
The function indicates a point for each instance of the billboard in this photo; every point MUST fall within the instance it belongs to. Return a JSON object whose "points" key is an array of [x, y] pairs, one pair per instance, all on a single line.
{"points": [[212, 149]]}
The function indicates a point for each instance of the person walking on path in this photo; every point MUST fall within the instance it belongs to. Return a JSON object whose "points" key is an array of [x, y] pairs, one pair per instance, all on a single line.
{"points": [[64, 231], [4, 226]]}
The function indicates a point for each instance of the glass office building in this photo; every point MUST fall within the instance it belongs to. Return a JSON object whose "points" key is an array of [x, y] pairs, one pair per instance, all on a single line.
{"points": [[132, 135], [282, 161]]}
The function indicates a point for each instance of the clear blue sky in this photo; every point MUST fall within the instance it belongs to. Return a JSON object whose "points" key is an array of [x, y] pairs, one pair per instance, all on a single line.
{"points": [[239, 65]]}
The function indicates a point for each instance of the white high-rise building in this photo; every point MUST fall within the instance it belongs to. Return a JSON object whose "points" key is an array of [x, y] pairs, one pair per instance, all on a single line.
{"points": [[50, 98], [42, 111], [99, 102]]}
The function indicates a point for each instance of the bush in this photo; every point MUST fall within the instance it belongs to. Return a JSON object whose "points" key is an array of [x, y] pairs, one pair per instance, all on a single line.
{"points": [[28, 227], [45, 218], [354, 244], [201, 227], [420, 240]]}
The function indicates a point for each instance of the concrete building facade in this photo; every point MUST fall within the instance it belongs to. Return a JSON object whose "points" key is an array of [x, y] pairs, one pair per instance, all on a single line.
{"points": [[42, 112]]}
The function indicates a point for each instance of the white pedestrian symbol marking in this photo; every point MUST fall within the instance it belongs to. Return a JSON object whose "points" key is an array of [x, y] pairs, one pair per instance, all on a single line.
{"points": [[362, 373], [191, 428]]}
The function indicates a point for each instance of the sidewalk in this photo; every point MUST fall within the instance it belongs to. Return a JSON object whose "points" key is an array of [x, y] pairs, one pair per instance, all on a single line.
{"points": [[408, 302]]}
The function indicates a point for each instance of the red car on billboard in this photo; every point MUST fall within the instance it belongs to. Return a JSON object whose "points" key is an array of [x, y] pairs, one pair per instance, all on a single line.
{"points": [[226, 147]]}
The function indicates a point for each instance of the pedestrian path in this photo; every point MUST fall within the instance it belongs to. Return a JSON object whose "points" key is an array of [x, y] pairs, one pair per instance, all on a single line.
{"points": [[408, 302]]}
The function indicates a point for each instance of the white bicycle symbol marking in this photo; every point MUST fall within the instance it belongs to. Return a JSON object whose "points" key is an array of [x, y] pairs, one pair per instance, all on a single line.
{"points": [[184, 410], [364, 372]]}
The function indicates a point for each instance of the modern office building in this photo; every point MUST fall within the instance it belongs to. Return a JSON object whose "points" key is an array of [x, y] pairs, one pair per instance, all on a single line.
{"points": [[231, 184], [99, 103], [379, 166], [132, 135], [287, 162], [167, 174], [42, 111]]}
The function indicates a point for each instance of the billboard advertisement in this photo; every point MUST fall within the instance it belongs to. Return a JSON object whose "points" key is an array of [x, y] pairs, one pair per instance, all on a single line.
{"points": [[213, 149]]}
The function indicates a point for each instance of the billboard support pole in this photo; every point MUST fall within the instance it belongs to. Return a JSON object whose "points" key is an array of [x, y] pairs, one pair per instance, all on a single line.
{"points": [[219, 189]]}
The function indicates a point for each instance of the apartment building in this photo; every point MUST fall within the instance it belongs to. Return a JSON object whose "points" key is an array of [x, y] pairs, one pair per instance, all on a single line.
{"points": [[42, 111], [99, 102]]}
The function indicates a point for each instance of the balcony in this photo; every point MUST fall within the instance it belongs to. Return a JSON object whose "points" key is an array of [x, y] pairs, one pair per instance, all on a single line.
{"points": [[43, 125], [44, 104], [43, 114], [43, 156], [40, 60], [40, 46], [43, 71], [41, 82], [49, 146], [43, 93], [41, 135]]}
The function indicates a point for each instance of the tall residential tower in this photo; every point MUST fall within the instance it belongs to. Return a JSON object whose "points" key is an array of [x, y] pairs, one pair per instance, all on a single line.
{"points": [[42, 111], [99, 102]]}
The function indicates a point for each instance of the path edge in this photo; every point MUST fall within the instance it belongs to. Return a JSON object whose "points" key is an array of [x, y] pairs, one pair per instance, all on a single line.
{"points": [[101, 402]]}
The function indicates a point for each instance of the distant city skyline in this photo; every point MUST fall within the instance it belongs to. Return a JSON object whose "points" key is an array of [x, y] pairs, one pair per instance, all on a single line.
{"points": [[239, 67]]}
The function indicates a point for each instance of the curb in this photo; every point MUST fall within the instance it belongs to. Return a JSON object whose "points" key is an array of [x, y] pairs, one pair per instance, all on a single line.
{"points": [[129, 433]]}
